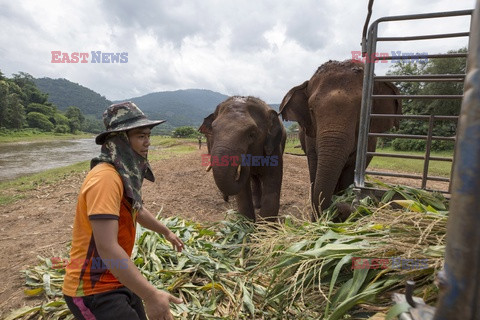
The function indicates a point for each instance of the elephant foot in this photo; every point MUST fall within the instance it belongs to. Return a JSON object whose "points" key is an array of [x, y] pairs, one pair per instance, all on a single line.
{"points": [[344, 210], [225, 198]]}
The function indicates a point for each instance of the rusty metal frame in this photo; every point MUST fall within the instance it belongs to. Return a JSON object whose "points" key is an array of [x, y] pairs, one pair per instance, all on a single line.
{"points": [[367, 100]]}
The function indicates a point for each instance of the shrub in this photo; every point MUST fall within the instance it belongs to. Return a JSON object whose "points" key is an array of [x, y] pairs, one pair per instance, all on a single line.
{"points": [[185, 132], [40, 121], [62, 128], [420, 145]]}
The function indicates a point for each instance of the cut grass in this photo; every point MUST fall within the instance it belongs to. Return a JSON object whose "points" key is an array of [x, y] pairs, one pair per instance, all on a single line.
{"points": [[293, 269]]}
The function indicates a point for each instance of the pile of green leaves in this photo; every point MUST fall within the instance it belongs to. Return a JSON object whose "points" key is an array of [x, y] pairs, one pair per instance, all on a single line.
{"points": [[294, 269]]}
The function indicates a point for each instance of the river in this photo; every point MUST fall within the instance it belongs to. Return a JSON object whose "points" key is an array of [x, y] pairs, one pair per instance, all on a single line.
{"points": [[22, 158]]}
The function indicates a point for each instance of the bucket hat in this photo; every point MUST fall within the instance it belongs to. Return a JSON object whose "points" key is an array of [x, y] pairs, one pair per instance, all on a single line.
{"points": [[124, 116]]}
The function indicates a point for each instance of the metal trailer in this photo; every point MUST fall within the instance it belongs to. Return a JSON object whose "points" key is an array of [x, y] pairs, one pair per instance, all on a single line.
{"points": [[369, 48], [460, 279]]}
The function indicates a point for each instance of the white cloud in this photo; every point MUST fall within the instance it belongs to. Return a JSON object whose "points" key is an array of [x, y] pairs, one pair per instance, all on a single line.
{"points": [[260, 48]]}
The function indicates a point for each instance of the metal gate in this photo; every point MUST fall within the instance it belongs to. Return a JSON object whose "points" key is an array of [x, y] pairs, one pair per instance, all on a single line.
{"points": [[369, 48]]}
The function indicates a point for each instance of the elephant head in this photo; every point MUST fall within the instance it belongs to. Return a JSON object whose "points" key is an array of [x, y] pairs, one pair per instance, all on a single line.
{"points": [[242, 126], [327, 108]]}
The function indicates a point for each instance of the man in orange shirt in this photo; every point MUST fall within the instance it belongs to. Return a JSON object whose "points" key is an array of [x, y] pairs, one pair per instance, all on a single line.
{"points": [[101, 281]]}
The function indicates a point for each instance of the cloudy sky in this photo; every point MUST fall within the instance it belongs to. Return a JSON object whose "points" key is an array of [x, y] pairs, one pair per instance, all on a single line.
{"points": [[246, 47]]}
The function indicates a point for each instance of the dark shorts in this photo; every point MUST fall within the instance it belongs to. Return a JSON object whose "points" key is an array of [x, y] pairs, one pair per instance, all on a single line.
{"points": [[117, 304]]}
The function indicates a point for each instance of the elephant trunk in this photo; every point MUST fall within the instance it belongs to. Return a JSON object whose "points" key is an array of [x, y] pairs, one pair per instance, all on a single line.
{"points": [[228, 173], [333, 149]]}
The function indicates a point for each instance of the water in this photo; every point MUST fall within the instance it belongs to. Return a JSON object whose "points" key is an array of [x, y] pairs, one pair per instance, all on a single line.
{"points": [[22, 158]]}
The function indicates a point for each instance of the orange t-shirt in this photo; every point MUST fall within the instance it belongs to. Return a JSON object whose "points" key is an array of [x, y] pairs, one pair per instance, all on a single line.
{"points": [[101, 197]]}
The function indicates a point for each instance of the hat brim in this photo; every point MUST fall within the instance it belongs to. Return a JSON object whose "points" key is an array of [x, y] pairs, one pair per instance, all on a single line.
{"points": [[100, 139]]}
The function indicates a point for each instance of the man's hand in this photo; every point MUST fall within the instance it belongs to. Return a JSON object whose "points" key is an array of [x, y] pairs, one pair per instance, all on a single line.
{"points": [[157, 305], [175, 241]]}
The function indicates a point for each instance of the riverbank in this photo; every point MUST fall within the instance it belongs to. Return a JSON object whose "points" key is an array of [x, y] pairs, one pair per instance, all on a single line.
{"points": [[16, 189], [29, 135]]}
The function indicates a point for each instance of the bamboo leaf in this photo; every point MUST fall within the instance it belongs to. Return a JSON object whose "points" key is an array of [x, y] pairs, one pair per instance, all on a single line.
{"points": [[396, 310], [33, 292]]}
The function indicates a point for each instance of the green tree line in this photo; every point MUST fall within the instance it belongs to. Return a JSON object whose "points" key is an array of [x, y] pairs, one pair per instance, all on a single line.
{"points": [[447, 107], [23, 105]]}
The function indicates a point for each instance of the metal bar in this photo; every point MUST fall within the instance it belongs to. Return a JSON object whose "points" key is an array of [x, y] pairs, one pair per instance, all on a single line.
{"points": [[408, 156], [427, 152], [412, 116], [423, 78], [404, 175], [424, 16], [366, 109], [417, 56], [459, 297], [425, 37], [425, 96], [410, 136]]}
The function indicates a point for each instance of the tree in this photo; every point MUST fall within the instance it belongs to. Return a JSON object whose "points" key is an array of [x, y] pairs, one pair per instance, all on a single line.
{"points": [[185, 132], [429, 106], [40, 121], [12, 113], [75, 118], [49, 111]]}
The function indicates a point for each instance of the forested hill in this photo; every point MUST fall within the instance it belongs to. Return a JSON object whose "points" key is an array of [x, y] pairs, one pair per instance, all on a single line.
{"points": [[64, 93], [180, 108]]}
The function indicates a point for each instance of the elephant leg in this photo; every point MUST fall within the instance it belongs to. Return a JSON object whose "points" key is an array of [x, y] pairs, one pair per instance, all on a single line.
{"points": [[271, 188], [311, 158], [256, 192], [346, 178], [312, 165], [245, 203]]}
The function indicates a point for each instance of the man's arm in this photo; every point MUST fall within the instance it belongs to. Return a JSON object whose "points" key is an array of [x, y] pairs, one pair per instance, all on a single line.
{"points": [[105, 233], [147, 220]]}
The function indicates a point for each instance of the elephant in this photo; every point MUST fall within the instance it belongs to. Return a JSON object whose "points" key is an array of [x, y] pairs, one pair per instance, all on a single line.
{"points": [[246, 140], [327, 109]]}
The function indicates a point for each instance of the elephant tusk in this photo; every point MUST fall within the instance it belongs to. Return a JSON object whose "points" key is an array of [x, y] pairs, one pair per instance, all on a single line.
{"points": [[208, 168], [237, 176]]}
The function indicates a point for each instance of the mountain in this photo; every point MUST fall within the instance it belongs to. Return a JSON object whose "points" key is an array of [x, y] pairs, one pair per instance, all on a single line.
{"points": [[180, 107], [64, 93]]}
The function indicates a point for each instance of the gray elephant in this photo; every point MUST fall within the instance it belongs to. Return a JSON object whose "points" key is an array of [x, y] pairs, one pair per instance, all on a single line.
{"points": [[246, 140], [327, 109]]}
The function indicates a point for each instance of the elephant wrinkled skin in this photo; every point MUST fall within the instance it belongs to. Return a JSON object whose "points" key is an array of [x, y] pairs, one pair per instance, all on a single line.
{"points": [[327, 109], [243, 127]]}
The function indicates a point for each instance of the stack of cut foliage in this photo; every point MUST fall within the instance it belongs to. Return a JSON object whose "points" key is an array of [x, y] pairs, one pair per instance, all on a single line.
{"points": [[293, 270]]}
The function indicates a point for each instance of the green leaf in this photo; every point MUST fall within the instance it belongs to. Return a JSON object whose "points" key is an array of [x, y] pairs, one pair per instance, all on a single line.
{"points": [[396, 310], [336, 271]]}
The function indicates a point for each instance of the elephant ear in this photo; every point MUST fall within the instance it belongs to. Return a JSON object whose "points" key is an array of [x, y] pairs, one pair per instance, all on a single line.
{"points": [[206, 127], [274, 134], [294, 107], [385, 106]]}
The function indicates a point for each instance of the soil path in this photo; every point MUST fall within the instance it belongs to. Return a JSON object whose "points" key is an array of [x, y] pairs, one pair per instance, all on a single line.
{"points": [[41, 224]]}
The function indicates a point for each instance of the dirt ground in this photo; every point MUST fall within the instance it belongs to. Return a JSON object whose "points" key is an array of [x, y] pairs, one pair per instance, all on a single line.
{"points": [[41, 224]]}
